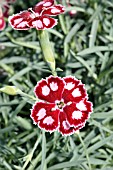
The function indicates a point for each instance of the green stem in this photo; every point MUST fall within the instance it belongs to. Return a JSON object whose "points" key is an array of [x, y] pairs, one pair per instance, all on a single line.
{"points": [[43, 162], [30, 155], [85, 150], [47, 50], [27, 95]]}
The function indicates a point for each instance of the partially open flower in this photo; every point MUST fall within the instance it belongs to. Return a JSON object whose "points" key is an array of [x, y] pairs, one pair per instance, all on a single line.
{"points": [[4, 9], [71, 12], [63, 106], [37, 17]]}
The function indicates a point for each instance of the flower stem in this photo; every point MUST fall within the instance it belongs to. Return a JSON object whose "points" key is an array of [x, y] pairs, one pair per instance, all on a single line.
{"points": [[47, 50], [85, 150], [27, 95], [43, 162]]}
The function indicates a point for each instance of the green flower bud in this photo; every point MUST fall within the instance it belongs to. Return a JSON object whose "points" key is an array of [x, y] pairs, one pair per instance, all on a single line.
{"points": [[11, 90], [47, 50]]}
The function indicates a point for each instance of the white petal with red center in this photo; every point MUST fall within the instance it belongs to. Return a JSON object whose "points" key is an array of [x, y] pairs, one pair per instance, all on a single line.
{"points": [[41, 113], [69, 86], [45, 90], [76, 115], [53, 86], [37, 24], [81, 106], [76, 93], [48, 120], [46, 21]]}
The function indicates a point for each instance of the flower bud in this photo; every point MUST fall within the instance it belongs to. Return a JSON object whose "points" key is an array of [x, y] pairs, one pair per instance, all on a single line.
{"points": [[11, 90]]}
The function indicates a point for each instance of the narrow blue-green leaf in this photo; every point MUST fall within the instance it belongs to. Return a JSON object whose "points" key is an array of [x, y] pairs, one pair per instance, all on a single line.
{"points": [[94, 50], [66, 165], [81, 60], [43, 162], [99, 144], [93, 32], [20, 73], [22, 122], [73, 31], [78, 9]]}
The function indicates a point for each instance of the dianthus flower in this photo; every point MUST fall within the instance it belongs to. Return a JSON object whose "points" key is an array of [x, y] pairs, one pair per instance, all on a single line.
{"points": [[63, 106], [37, 17], [4, 9]]}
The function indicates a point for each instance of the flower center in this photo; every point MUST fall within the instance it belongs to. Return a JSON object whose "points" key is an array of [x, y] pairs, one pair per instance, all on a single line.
{"points": [[60, 104], [34, 14]]}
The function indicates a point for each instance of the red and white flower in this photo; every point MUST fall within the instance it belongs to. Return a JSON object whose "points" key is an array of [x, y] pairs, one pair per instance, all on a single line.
{"points": [[4, 9], [64, 105], [71, 12], [37, 17]]}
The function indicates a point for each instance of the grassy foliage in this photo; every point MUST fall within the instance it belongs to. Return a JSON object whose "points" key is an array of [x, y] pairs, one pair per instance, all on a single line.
{"points": [[83, 46]]}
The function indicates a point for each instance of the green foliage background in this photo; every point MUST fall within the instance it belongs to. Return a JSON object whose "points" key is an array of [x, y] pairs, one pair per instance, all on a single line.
{"points": [[83, 46]]}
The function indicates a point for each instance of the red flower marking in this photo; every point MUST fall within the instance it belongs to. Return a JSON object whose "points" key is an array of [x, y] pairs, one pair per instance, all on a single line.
{"points": [[4, 9], [37, 17], [46, 118], [64, 105], [20, 21], [2, 22]]}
